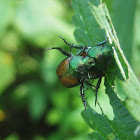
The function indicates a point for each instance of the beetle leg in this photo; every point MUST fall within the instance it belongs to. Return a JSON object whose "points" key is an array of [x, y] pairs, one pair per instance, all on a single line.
{"points": [[89, 84], [97, 87], [82, 50], [102, 43], [61, 50], [82, 93], [72, 45]]}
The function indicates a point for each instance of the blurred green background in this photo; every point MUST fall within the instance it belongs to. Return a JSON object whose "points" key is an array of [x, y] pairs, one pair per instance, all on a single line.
{"points": [[33, 104]]}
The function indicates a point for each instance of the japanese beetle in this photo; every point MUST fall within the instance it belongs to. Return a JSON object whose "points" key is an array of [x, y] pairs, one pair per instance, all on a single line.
{"points": [[88, 63]]}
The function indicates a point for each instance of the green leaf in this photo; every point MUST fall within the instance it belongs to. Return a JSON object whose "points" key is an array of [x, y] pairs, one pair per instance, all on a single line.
{"points": [[98, 123], [95, 136], [131, 84], [121, 127], [123, 123], [102, 16], [124, 24], [88, 33]]}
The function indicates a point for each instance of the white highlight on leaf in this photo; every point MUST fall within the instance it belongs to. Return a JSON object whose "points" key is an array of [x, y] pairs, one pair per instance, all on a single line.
{"points": [[119, 63]]}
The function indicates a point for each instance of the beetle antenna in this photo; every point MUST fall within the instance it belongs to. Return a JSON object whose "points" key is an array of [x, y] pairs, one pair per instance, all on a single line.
{"points": [[97, 87], [61, 50]]}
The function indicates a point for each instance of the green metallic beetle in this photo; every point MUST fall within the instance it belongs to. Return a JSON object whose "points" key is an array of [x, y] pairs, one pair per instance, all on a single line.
{"points": [[88, 63]]}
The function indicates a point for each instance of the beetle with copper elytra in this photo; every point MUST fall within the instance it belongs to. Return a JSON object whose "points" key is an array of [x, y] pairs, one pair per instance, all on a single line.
{"points": [[88, 63]]}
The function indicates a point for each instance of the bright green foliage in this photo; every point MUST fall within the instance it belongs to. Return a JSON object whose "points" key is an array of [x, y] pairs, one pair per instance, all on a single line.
{"points": [[33, 103], [133, 93], [123, 125], [85, 34], [103, 18]]}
